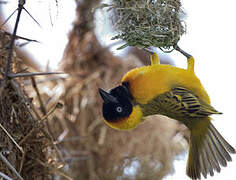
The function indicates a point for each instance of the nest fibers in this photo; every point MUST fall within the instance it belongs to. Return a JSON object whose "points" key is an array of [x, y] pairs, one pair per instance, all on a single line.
{"points": [[145, 23]]}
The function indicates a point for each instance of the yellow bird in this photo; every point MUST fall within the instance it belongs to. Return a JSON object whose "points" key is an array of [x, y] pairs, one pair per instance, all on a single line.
{"points": [[178, 94]]}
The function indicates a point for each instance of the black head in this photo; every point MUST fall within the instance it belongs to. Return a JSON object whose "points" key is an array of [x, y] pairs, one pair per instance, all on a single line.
{"points": [[117, 103]]}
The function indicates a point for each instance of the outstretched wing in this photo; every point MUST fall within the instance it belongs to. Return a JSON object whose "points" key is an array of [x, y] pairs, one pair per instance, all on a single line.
{"points": [[180, 102]]}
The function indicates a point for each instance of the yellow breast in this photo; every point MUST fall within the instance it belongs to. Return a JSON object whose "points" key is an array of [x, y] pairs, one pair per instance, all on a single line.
{"points": [[148, 82]]}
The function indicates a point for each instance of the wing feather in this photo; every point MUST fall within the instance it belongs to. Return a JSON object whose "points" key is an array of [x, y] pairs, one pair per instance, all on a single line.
{"points": [[180, 102]]}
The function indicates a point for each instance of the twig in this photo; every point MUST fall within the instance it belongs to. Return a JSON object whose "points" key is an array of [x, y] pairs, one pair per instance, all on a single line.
{"points": [[22, 162], [39, 81], [13, 140], [42, 107], [7, 19], [33, 74], [21, 4], [26, 137], [60, 157], [58, 105], [9, 58], [23, 38], [177, 48], [102, 135], [94, 124], [32, 16], [54, 169], [33, 108], [63, 175], [2, 174], [10, 166], [22, 44]]}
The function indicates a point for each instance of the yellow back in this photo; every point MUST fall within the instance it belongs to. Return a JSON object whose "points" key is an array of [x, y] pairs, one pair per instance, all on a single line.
{"points": [[148, 82]]}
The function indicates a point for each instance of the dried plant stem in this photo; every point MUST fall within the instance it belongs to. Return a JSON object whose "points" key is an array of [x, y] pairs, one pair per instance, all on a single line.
{"points": [[26, 137], [33, 108], [22, 162], [102, 136], [60, 157], [33, 74], [23, 38], [63, 175], [5, 176], [42, 107], [39, 122], [55, 170], [40, 81], [10, 166], [94, 124], [13, 140]]}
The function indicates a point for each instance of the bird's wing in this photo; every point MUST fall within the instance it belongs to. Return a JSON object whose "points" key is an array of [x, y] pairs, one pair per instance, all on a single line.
{"points": [[181, 102]]}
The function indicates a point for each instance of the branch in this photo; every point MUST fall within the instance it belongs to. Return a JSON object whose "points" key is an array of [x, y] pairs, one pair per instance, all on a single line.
{"points": [[23, 38], [13, 140], [12, 75], [10, 166], [9, 58], [2, 174]]}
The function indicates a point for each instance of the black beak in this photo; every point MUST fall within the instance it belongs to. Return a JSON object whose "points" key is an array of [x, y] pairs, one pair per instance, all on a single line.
{"points": [[107, 97]]}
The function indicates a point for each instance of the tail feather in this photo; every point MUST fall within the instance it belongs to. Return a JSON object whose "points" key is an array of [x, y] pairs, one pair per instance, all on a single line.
{"points": [[204, 165], [193, 168], [219, 154], [210, 158], [221, 144], [212, 153], [221, 139], [207, 152]]}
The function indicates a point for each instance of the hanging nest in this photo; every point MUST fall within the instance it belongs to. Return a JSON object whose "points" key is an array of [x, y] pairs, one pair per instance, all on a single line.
{"points": [[145, 23]]}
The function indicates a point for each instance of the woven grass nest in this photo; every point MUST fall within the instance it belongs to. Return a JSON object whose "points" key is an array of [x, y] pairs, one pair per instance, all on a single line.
{"points": [[26, 155], [145, 23]]}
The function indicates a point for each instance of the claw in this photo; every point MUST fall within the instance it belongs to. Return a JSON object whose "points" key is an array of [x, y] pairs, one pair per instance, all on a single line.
{"points": [[153, 57], [188, 56]]}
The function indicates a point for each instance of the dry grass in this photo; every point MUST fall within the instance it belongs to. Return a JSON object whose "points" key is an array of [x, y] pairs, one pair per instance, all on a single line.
{"points": [[16, 121]]}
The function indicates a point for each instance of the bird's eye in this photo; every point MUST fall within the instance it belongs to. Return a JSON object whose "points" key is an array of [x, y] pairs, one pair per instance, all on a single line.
{"points": [[119, 109]]}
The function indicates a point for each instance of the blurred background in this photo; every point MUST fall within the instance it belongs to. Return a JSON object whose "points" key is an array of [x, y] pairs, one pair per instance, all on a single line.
{"points": [[76, 37]]}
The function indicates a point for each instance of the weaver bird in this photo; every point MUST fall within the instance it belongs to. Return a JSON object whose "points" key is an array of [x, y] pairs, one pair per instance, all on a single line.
{"points": [[178, 94]]}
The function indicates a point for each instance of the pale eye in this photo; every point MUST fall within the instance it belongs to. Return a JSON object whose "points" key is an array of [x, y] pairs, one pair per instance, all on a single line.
{"points": [[119, 109]]}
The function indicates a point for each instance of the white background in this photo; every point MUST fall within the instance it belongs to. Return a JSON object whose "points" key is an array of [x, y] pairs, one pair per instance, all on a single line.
{"points": [[210, 38]]}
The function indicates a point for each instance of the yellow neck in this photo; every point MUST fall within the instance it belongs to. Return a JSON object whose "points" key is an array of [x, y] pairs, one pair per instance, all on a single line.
{"points": [[134, 119]]}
